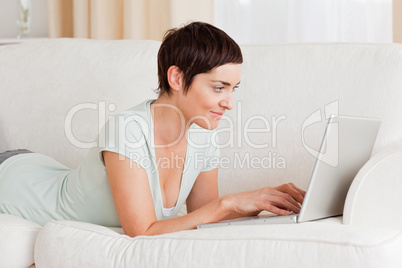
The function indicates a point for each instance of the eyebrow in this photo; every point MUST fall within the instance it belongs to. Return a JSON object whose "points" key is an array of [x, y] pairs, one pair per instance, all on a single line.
{"points": [[224, 82]]}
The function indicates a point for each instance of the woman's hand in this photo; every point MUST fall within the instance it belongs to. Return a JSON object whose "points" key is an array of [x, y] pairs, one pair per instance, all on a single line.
{"points": [[281, 200]]}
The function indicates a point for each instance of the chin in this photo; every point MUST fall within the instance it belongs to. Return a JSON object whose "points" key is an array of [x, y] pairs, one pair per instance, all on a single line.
{"points": [[209, 125]]}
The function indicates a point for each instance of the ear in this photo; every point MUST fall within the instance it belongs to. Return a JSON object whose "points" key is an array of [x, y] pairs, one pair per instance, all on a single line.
{"points": [[175, 78]]}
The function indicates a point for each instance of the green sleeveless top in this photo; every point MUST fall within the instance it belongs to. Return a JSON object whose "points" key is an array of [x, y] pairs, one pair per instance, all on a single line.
{"points": [[38, 188]]}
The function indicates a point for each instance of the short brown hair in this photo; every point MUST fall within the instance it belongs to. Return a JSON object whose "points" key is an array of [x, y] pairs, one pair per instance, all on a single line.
{"points": [[195, 48]]}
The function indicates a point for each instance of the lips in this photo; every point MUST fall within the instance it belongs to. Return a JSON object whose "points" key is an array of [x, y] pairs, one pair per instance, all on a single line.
{"points": [[217, 115]]}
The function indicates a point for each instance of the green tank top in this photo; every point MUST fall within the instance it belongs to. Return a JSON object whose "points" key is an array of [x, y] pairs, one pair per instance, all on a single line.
{"points": [[38, 188]]}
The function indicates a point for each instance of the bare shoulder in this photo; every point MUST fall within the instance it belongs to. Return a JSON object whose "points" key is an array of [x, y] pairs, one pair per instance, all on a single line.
{"points": [[131, 193]]}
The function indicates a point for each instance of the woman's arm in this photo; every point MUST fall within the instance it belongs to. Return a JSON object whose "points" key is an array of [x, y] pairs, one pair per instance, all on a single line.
{"points": [[244, 204], [134, 205]]}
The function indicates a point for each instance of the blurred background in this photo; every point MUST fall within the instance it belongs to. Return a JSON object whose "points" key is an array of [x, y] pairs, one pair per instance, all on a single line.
{"points": [[247, 21]]}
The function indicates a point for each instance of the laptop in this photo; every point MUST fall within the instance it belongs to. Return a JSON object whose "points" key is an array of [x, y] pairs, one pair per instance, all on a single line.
{"points": [[346, 146]]}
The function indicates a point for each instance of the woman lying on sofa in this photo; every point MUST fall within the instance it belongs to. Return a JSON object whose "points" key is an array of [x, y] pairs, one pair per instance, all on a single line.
{"points": [[152, 158]]}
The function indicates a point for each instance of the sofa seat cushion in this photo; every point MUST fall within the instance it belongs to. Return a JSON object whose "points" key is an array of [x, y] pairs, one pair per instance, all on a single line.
{"points": [[326, 243], [17, 241]]}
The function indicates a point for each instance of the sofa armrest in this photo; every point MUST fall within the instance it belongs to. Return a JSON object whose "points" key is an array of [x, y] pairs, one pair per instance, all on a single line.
{"points": [[17, 241], [375, 196]]}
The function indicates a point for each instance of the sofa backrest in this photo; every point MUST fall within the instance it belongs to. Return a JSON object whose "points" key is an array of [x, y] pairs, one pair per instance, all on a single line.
{"points": [[57, 93], [286, 94]]}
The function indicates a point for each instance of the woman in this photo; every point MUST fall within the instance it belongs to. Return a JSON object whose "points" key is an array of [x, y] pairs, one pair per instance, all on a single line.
{"points": [[146, 162]]}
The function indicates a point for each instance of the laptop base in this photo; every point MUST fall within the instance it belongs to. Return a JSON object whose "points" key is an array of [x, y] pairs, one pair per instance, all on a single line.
{"points": [[264, 219]]}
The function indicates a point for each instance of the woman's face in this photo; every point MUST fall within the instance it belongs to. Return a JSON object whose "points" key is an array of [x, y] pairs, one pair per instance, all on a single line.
{"points": [[210, 95]]}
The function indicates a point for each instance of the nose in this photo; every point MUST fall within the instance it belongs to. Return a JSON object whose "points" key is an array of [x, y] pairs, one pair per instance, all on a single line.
{"points": [[227, 101]]}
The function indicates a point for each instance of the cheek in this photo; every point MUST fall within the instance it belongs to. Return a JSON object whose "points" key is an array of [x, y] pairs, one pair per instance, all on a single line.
{"points": [[205, 100]]}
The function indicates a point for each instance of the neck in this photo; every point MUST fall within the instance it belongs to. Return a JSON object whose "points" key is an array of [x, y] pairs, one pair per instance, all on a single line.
{"points": [[170, 125]]}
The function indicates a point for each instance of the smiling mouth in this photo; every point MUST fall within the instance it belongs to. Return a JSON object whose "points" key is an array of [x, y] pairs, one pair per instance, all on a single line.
{"points": [[217, 115]]}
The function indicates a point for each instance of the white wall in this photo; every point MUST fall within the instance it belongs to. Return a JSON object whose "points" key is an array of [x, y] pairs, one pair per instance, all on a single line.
{"points": [[292, 21], [9, 16]]}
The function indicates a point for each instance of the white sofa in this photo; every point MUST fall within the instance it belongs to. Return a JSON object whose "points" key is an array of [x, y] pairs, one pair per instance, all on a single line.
{"points": [[55, 94]]}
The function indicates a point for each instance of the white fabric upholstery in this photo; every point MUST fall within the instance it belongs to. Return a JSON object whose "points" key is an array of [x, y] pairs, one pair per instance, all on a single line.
{"points": [[376, 191], [295, 82], [43, 80], [326, 243], [286, 91], [282, 83], [17, 240]]}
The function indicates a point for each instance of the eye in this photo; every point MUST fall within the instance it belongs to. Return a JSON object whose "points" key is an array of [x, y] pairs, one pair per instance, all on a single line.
{"points": [[218, 89], [235, 88]]}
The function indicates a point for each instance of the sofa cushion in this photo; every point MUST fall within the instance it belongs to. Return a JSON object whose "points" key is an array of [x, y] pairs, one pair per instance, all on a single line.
{"points": [[17, 241], [325, 243]]}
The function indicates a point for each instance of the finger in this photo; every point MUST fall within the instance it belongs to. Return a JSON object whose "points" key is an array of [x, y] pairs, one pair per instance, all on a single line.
{"points": [[293, 191], [287, 206], [300, 195], [277, 210], [297, 194], [303, 193], [285, 201]]}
